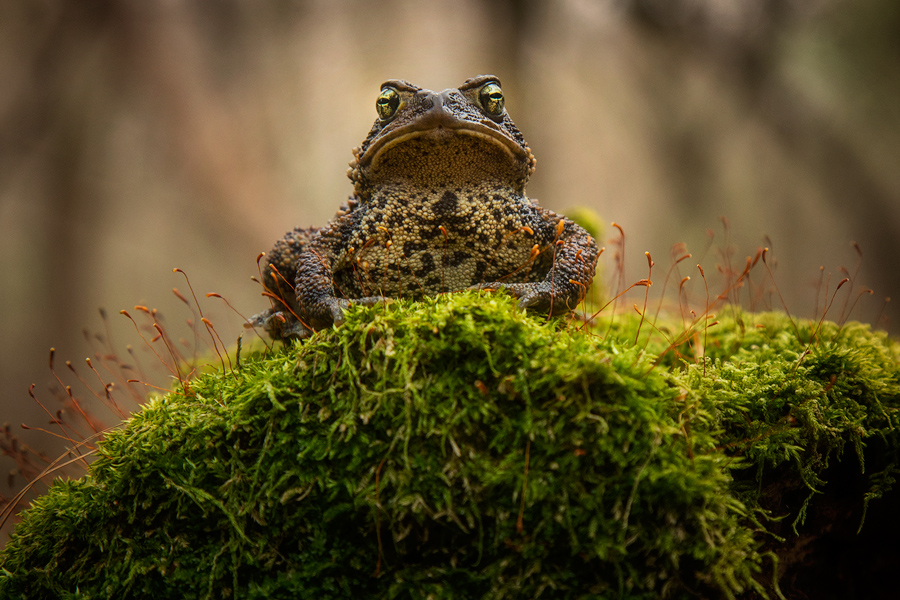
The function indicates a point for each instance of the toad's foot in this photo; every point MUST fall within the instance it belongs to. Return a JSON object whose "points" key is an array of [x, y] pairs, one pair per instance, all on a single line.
{"points": [[540, 296], [282, 325], [336, 306], [279, 325]]}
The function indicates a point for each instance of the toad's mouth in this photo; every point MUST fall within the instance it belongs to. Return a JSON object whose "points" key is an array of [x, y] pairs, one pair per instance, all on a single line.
{"points": [[445, 126], [444, 131], [445, 156], [439, 148]]}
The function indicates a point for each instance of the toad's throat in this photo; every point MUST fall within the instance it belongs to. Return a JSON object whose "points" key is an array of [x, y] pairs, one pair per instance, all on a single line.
{"points": [[445, 157]]}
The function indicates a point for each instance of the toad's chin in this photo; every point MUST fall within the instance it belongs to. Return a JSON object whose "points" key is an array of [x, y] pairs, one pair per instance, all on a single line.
{"points": [[442, 156]]}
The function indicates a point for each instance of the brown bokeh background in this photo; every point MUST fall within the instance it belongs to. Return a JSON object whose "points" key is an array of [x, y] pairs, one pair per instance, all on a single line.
{"points": [[139, 136]]}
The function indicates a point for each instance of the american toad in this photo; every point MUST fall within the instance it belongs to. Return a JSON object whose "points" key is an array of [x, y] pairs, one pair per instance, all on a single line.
{"points": [[439, 205]]}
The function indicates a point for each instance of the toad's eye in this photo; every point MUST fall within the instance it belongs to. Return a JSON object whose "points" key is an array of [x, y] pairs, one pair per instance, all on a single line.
{"points": [[387, 103], [491, 98]]}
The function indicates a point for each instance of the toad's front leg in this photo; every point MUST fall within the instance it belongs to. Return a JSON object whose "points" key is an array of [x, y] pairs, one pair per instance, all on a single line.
{"points": [[322, 303], [569, 259], [282, 320]]}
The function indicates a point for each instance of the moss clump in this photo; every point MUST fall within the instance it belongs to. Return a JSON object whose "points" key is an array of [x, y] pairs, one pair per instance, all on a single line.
{"points": [[799, 397], [459, 448]]}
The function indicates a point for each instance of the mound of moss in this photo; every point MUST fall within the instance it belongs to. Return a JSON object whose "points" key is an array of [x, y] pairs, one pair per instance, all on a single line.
{"points": [[460, 448]]}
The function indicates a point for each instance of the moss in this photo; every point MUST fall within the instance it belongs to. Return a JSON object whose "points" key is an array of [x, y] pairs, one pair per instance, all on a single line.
{"points": [[459, 448], [801, 395]]}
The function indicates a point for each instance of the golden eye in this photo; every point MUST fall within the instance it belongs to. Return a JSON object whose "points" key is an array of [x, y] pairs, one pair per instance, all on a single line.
{"points": [[387, 103], [491, 98]]}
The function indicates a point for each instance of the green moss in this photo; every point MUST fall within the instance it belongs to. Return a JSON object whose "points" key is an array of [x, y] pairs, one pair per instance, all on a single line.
{"points": [[460, 448], [800, 396]]}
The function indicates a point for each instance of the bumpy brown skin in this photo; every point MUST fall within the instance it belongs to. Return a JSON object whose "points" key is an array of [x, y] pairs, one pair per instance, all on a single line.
{"points": [[439, 205]]}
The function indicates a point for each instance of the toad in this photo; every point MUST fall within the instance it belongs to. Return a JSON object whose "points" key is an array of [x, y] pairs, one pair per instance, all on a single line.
{"points": [[438, 206]]}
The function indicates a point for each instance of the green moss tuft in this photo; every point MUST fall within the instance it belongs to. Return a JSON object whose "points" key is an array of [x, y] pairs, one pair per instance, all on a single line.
{"points": [[460, 448], [793, 398]]}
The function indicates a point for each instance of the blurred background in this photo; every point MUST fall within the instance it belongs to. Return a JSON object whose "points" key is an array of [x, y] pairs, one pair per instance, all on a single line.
{"points": [[140, 136]]}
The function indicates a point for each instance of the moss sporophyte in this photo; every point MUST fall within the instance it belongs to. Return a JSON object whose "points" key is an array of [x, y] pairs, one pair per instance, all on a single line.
{"points": [[460, 448]]}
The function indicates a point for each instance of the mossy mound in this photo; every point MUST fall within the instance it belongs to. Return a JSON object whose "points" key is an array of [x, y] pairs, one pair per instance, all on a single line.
{"points": [[459, 448]]}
